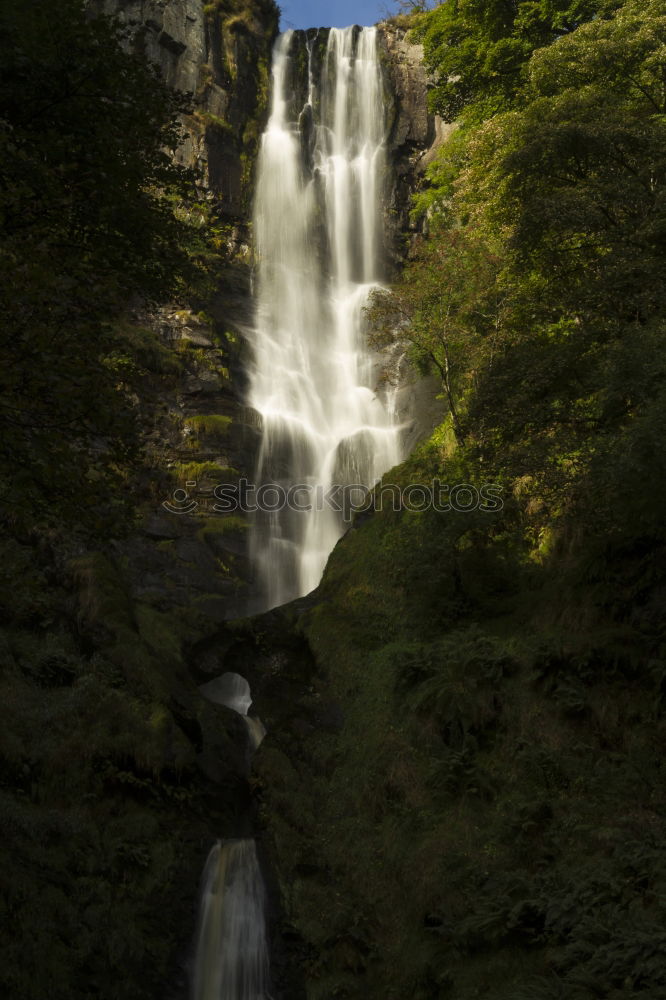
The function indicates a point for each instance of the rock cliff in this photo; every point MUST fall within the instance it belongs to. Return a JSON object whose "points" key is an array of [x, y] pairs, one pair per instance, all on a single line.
{"points": [[188, 570], [218, 53], [415, 132], [194, 423], [116, 774], [198, 430]]}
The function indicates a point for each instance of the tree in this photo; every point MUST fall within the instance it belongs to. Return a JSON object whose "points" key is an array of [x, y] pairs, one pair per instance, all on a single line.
{"points": [[447, 308], [564, 179], [87, 196], [573, 184], [479, 49]]}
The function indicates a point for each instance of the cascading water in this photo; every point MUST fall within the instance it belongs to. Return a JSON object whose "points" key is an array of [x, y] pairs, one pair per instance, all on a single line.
{"points": [[318, 234], [318, 231], [233, 691], [231, 961]]}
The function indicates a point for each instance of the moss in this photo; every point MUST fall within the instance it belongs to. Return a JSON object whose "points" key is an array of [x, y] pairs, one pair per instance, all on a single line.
{"points": [[214, 527], [240, 21], [213, 424], [254, 128], [210, 120], [206, 77], [159, 632], [218, 7], [146, 349], [200, 471]]}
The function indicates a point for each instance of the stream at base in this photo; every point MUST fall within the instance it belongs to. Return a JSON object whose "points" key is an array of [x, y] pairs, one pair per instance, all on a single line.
{"points": [[231, 959]]}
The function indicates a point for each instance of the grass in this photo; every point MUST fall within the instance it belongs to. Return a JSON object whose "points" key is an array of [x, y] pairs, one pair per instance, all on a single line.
{"points": [[213, 424], [202, 471], [214, 527]]}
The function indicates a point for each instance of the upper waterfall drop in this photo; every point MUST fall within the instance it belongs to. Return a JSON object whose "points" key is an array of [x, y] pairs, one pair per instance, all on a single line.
{"points": [[318, 225]]}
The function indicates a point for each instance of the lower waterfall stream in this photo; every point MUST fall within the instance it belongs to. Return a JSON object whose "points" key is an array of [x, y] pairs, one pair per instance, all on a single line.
{"points": [[326, 425], [231, 960]]}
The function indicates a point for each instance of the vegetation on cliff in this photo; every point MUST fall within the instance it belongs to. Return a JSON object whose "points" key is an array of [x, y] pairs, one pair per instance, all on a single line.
{"points": [[88, 226], [487, 813], [467, 801], [114, 775]]}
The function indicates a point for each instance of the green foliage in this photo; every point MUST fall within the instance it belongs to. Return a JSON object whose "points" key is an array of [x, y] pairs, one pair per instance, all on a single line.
{"points": [[488, 800], [480, 50], [561, 194], [103, 808], [446, 307], [435, 197], [212, 424], [88, 223], [572, 182]]}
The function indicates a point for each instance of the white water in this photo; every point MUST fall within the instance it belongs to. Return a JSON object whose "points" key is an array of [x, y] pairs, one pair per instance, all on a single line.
{"points": [[233, 691], [318, 233], [231, 961]]}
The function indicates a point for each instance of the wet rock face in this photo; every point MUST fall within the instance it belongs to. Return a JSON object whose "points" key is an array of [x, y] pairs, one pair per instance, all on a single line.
{"points": [[218, 53], [188, 557], [413, 125], [171, 33], [195, 428], [415, 133]]}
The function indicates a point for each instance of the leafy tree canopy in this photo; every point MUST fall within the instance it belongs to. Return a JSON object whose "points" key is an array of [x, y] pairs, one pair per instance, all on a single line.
{"points": [[558, 183], [93, 218], [480, 48], [573, 181]]}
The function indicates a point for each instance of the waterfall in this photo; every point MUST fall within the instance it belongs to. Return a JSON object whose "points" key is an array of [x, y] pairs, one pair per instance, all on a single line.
{"points": [[325, 423], [231, 961], [233, 691], [318, 236]]}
